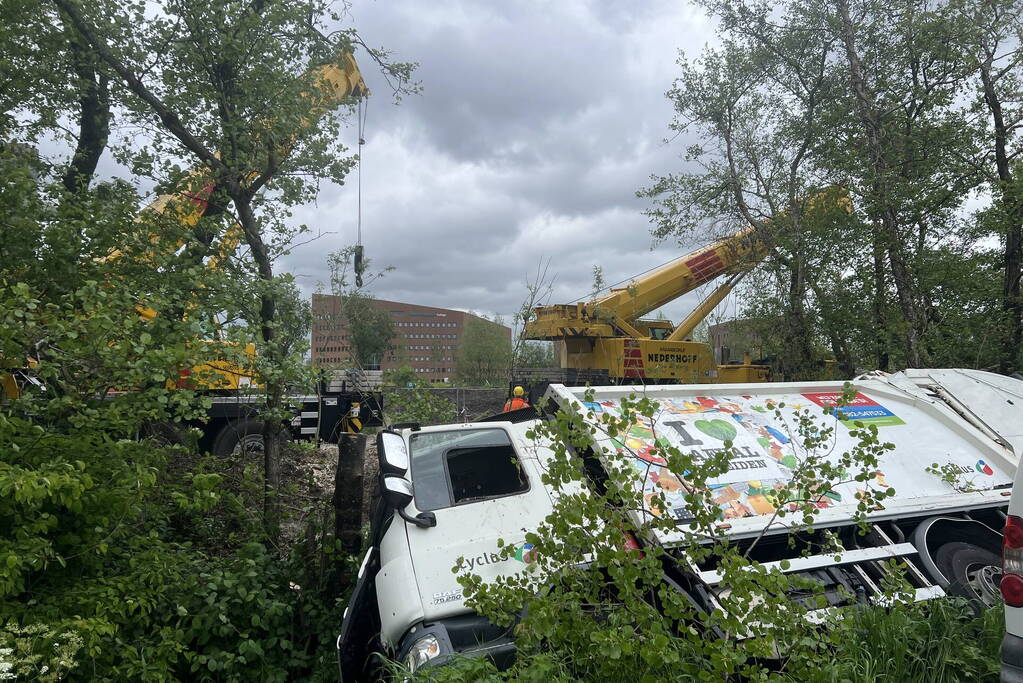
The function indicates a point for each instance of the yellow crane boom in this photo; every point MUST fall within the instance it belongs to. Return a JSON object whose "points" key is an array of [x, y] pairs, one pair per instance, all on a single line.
{"points": [[336, 82], [609, 334], [617, 312]]}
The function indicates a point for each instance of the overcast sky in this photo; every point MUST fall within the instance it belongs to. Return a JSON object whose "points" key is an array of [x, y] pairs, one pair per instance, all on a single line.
{"points": [[537, 123]]}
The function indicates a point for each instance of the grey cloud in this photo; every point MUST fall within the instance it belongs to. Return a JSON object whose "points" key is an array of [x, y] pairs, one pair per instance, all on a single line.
{"points": [[537, 124]]}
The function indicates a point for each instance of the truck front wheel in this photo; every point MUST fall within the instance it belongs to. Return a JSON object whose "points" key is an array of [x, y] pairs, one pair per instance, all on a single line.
{"points": [[972, 572]]}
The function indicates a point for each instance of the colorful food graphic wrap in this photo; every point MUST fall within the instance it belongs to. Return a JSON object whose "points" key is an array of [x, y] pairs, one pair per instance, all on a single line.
{"points": [[766, 448]]}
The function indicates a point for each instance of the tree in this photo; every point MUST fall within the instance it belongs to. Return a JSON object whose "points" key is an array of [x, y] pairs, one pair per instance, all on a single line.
{"points": [[54, 86], [758, 102], [992, 33], [538, 290], [853, 95], [241, 98], [370, 329], [533, 354], [484, 353]]}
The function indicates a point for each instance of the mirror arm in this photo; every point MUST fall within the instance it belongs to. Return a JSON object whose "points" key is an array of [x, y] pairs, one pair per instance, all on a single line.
{"points": [[423, 520]]}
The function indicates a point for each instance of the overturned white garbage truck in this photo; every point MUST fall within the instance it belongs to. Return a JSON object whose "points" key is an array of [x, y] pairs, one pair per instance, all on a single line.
{"points": [[452, 491]]}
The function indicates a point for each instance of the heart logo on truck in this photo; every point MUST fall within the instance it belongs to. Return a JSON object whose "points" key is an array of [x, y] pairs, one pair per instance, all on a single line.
{"points": [[716, 429]]}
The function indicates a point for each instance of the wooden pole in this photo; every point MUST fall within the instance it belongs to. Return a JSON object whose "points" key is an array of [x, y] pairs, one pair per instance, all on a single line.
{"points": [[349, 491]]}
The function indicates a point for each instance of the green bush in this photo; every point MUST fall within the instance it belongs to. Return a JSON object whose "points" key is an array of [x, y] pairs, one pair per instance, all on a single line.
{"points": [[418, 404], [932, 642], [97, 583]]}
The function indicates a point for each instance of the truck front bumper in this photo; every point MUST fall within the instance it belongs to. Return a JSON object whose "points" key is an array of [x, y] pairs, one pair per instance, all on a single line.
{"points": [[463, 636]]}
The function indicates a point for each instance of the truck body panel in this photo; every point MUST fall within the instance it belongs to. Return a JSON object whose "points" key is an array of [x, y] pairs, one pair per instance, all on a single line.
{"points": [[761, 422], [996, 401], [397, 595]]}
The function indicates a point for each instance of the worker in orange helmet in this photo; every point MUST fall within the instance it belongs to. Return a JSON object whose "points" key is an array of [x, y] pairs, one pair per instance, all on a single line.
{"points": [[516, 401]]}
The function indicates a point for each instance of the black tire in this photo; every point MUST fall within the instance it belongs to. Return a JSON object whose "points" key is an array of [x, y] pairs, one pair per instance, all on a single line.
{"points": [[244, 434], [166, 433], [972, 572]]}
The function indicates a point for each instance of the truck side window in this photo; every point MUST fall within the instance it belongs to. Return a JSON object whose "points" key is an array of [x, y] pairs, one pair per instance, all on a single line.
{"points": [[450, 468], [485, 472]]}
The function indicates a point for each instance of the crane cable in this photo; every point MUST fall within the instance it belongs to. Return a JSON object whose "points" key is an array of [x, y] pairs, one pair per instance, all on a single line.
{"points": [[363, 107], [359, 262]]}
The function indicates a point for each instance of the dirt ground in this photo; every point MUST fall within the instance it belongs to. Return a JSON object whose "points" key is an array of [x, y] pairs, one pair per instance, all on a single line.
{"points": [[307, 475]]}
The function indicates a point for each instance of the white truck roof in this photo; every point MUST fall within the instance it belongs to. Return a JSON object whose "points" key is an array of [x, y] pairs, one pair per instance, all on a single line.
{"points": [[993, 401], [907, 410]]}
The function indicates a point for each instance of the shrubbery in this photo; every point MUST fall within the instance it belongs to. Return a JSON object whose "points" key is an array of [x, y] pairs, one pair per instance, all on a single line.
{"points": [[121, 557], [932, 642], [407, 398], [107, 568]]}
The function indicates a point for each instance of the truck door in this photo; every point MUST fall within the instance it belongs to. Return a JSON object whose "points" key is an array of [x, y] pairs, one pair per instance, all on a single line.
{"points": [[481, 488]]}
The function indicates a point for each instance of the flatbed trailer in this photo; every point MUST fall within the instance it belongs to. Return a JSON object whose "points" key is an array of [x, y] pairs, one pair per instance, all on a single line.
{"points": [[233, 422]]}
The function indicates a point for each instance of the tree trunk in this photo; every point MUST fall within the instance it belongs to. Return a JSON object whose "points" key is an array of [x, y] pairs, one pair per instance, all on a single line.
{"points": [[882, 208], [349, 491], [93, 117], [274, 391], [904, 289], [1012, 203], [798, 353], [880, 312]]}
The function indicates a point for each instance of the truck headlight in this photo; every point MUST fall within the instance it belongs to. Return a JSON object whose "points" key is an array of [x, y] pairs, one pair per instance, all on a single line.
{"points": [[422, 651]]}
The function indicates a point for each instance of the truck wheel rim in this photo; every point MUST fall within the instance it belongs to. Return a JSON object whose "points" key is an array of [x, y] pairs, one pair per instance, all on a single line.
{"points": [[983, 581], [250, 443]]}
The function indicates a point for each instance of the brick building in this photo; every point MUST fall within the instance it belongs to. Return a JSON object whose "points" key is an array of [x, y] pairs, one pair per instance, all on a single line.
{"points": [[425, 338]]}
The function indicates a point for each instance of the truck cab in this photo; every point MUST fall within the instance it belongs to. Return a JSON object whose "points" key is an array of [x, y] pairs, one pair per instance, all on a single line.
{"points": [[453, 495]]}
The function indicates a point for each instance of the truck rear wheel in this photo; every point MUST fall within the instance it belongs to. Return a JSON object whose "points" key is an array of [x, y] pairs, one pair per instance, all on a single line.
{"points": [[972, 572], [244, 435]]}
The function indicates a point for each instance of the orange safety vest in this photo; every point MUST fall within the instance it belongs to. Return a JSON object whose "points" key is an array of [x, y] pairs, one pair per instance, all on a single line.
{"points": [[514, 403]]}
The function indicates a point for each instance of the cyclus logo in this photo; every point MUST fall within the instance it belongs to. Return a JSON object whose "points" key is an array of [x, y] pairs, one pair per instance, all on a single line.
{"points": [[525, 552]]}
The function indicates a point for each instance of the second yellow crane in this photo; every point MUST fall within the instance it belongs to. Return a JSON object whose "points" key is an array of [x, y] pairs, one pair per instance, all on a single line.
{"points": [[609, 334]]}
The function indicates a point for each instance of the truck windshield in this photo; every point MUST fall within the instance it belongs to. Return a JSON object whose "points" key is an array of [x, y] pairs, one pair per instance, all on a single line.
{"points": [[464, 466]]}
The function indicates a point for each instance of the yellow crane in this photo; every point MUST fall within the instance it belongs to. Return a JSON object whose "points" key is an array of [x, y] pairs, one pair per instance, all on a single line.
{"points": [[609, 333], [337, 82]]}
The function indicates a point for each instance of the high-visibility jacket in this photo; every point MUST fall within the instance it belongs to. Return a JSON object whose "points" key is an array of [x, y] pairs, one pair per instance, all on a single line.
{"points": [[514, 403]]}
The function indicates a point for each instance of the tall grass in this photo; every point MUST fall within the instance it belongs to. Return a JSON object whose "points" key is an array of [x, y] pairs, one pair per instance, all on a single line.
{"points": [[930, 642], [934, 641]]}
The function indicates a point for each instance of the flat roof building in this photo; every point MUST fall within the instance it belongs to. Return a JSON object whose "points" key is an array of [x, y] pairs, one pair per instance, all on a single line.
{"points": [[425, 338]]}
